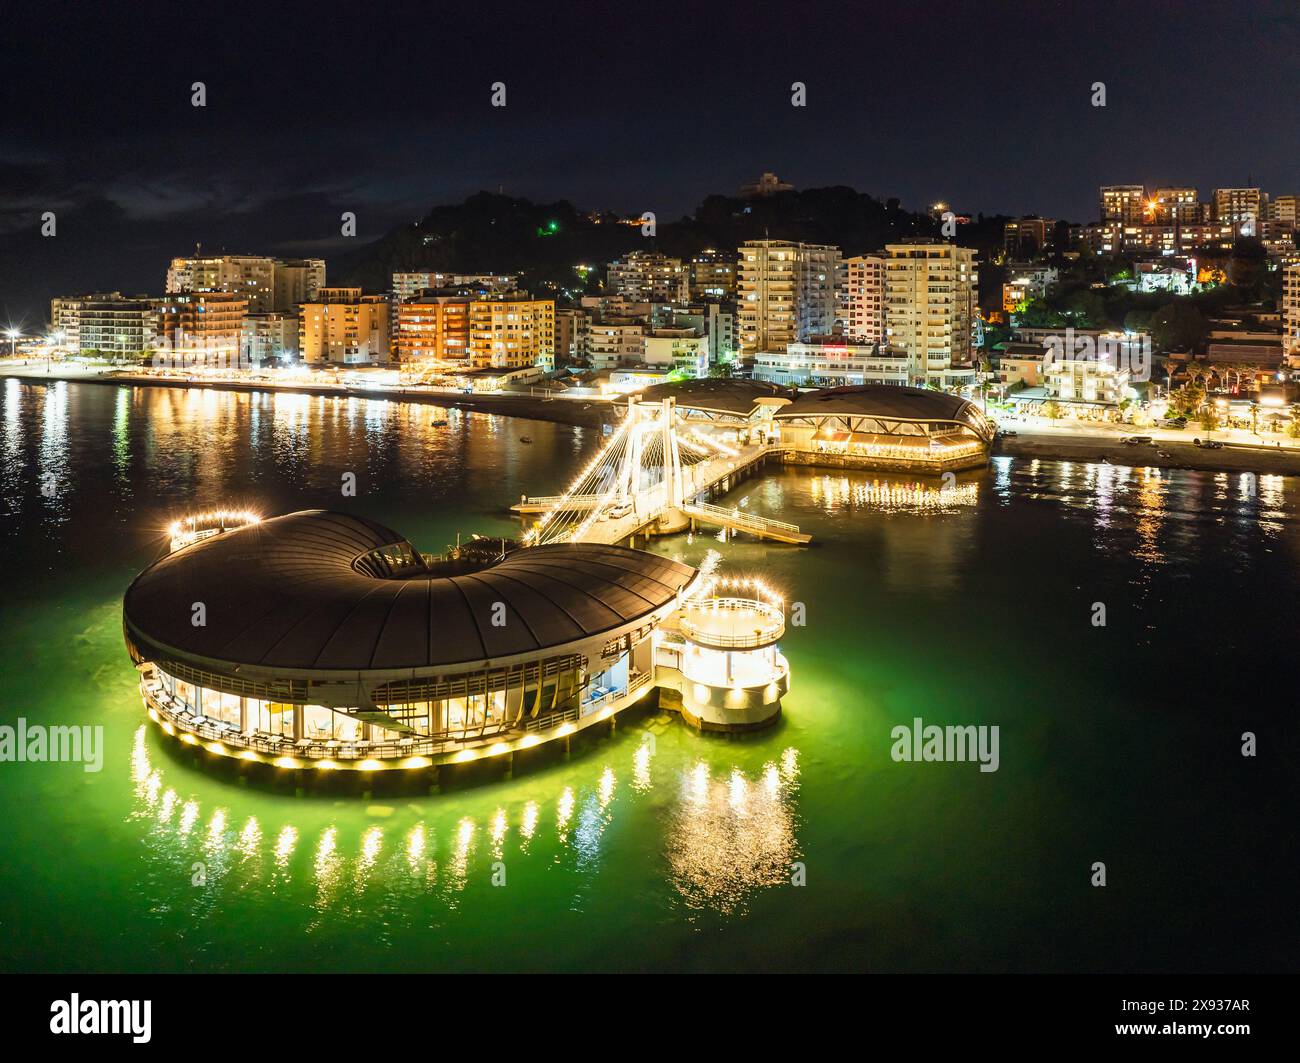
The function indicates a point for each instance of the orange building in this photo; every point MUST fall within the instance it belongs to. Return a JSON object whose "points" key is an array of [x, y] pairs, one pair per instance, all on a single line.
{"points": [[512, 333], [202, 321], [432, 328]]}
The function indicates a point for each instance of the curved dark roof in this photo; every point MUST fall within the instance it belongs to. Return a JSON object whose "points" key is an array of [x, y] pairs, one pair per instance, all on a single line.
{"points": [[717, 394], [284, 593], [881, 400]]}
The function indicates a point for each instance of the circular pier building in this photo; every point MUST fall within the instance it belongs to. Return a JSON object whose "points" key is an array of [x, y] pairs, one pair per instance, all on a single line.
{"points": [[322, 639]]}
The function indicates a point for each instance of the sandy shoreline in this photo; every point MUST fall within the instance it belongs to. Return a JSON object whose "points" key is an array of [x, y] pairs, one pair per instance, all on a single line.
{"points": [[1057, 446], [1183, 455]]}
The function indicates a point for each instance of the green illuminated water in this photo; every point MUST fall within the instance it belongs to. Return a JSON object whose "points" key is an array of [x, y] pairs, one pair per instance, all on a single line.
{"points": [[654, 847]]}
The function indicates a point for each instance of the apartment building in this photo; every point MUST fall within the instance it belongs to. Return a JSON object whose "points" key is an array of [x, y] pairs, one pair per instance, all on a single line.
{"points": [[266, 284], [297, 280], [1027, 236], [408, 285], [269, 339], [613, 342], [1125, 204], [931, 291], [208, 324], [343, 327], [508, 332], [1242, 208], [1284, 209], [1173, 205], [712, 276], [786, 293], [571, 330], [1291, 309], [682, 349], [831, 364], [648, 276], [106, 324], [431, 327], [862, 298]]}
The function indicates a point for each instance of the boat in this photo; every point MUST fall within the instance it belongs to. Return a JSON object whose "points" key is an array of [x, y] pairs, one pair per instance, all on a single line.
{"points": [[525, 439]]}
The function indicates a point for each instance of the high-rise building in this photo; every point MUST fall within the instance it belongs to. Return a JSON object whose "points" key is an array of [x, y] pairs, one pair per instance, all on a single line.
{"points": [[1027, 236], [266, 283], [206, 324], [648, 276], [1285, 209], [1123, 203], [1173, 205], [1242, 208], [1291, 309], [931, 296], [863, 298], [432, 328], [713, 276], [786, 293], [512, 332], [571, 329], [343, 327], [297, 280]]}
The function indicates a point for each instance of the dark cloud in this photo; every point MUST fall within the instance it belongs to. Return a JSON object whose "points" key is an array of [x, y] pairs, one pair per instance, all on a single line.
{"points": [[384, 110]]}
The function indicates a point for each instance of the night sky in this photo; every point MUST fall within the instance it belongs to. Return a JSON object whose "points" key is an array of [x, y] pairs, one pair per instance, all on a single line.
{"points": [[384, 110]]}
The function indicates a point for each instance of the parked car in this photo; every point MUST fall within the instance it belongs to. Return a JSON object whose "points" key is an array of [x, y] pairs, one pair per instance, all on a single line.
{"points": [[1176, 422], [1138, 441], [1208, 444]]}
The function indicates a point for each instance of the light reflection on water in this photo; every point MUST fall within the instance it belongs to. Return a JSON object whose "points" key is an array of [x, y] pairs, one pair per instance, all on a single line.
{"points": [[729, 836]]}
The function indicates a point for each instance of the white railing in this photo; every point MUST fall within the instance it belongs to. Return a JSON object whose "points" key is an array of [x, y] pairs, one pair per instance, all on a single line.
{"points": [[768, 623], [735, 516]]}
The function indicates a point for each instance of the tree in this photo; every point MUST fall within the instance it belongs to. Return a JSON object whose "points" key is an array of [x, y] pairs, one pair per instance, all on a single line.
{"points": [[1187, 399], [1209, 417], [1052, 410], [1178, 326]]}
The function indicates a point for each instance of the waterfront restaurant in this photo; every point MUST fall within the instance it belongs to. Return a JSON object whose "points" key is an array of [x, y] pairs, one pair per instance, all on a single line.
{"points": [[325, 640], [882, 426]]}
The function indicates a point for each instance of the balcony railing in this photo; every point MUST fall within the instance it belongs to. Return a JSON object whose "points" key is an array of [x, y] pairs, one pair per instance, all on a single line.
{"points": [[170, 709], [715, 623]]}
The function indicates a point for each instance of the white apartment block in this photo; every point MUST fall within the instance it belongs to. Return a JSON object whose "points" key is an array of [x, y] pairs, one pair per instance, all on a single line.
{"points": [[862, 298], [1088, 381], [123, 327], [611, 344], [830, 365], [930, 302], [648, 276], [409, 285], [786, 293], [678, 348], [108, 324]]}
